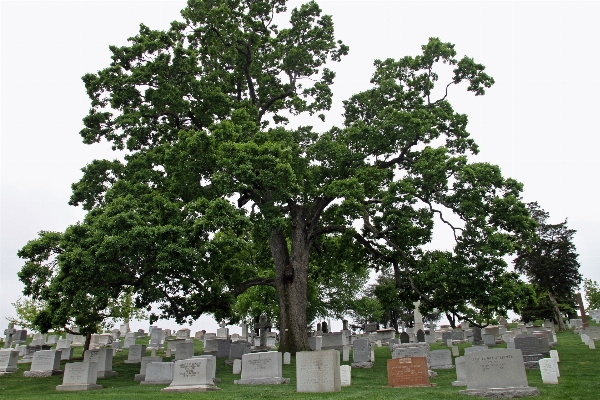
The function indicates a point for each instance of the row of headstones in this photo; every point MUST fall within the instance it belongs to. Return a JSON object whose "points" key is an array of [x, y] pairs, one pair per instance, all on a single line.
{"points": [[589, 335]]}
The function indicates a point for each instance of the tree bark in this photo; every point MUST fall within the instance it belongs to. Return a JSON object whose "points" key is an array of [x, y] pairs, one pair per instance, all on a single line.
{"points": [[291, 282], [557, 313]]}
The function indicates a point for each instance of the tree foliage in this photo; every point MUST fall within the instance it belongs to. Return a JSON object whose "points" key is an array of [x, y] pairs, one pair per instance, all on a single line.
{"points": [[592, 294], [550, 261], [217, 195]]}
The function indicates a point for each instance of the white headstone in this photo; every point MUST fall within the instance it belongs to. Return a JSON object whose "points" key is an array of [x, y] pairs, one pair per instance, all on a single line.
{"points": [[136, 352], [345, 375], [237, 366], [45, 363], [262, 368], [287, 358], [192, 375], [8, 361], [158, 373], [554, 354], [318, 371], [548, 371], [144, 365], [79, 376], [103, 357]]}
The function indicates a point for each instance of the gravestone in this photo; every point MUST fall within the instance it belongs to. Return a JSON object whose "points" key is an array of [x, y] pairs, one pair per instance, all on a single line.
{"points": [[461, 373], [318, 371], [136, 352], [404, 338], [8, 361], [155, 338], [128, 342], [238, 349], [262, 369], [489, 339], [446, 335], [324, 327], [45, 363], [144, 365], [237, 366], [103, 357], [51, 340], [20, 336], [492, 330], [426, 350], [66, 354], [346, 353], [474, 348], [402, 352], [287, 358], [9, 332], [408, 372], [183, 334], [223, 348], [477, 336], [430, 339], [184, 350], [213, 361], [554, 354], [141, 333], [458, 335], [420, 336], [527, 343], [548, 370], [79, 376], [192, 375], [362, 354], [497, 373], [345, 375], [78, 341], [371, 327], [223, 332], [263, 324], [29, 353], [455, 352], [441, 359], [158, 373]]}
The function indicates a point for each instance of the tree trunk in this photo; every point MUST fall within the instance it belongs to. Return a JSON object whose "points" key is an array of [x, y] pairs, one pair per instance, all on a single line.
{"points": [[557, 313], [451, 320], [291, 282]]}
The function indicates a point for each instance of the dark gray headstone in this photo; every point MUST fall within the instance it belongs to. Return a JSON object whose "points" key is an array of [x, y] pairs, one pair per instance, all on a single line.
{"points": [[477, 336], [458, 335], [224, 347], [420, 336], [528, 344], [238, 349], [371, 327], [404, 338], [361, 350]]}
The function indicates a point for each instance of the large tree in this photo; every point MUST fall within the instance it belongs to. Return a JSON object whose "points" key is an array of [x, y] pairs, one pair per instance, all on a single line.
{"points": [[550, 261], [217, 195]]}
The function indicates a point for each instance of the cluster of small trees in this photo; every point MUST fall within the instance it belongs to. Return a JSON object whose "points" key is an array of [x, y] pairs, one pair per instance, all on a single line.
{"points": [[219, 207]]}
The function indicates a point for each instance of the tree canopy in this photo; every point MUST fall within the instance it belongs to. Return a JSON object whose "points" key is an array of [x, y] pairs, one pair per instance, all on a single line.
{"points": [[216, 194], [550, 260]]}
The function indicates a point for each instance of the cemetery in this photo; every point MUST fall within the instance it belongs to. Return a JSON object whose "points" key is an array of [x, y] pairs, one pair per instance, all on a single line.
{"points": [[219, 208], [404, 371]]}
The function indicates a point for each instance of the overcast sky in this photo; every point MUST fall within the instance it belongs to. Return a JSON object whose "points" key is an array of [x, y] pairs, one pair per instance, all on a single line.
{"points": [[539, 122]]}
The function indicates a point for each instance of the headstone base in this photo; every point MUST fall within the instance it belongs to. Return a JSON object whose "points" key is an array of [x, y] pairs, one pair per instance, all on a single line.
{"points": [[502, 393], [190, 388], [443, 367], [8, 370], [411, 386], [106, 374], [362, 365], [74, 388], [42, 374], [139, 377], [263, 381], [532, 365], [144, 382], [459, 383], [25, 360], [132, 361]]}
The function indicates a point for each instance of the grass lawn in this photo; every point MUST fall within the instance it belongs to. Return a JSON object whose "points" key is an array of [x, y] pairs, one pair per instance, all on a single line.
{"points": [[579, 369]]}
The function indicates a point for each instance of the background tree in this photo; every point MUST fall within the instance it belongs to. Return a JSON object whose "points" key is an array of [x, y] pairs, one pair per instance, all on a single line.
{"points": [[217, 195], [592, 294], [27, 310], [550, 262]]}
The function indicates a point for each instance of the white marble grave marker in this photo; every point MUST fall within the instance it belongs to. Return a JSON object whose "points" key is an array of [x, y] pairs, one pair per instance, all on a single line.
{"points": [[79, 376]]}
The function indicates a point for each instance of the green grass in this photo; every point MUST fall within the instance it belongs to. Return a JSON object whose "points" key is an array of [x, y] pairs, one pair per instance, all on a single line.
{"points": [[579, 368]]}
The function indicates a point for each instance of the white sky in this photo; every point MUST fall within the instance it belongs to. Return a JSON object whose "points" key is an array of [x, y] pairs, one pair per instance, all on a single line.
{"points": [[537, 122]]}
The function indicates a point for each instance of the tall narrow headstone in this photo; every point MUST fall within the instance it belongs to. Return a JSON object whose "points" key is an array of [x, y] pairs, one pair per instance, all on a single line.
{"points": [[548, 371], [345, 375], [362, 354]]}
